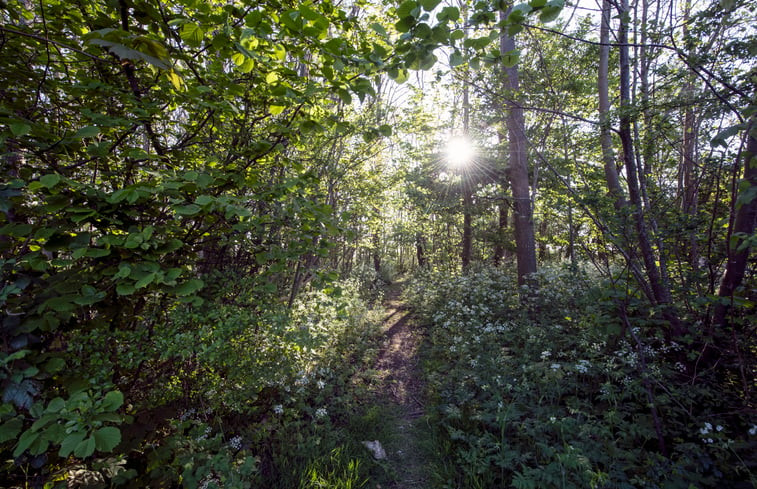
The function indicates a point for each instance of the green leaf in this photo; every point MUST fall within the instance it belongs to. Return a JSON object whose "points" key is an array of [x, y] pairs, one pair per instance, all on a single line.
{"points": [[10, 429], [276, 109], [145, 281], [456, 59], [70, 442], [54, 365], [449, 13], [404, 24], [87, 132], [56, 405], [457, 35], [125, 289], [85, 448], [549, 13], [510, 58], [50, 180], [188, 210], [189, 287], [107, 438], [385, 130], [406, 8], [344, 95], [19, 128], [25, 441], [378, 28], [192, 34]]}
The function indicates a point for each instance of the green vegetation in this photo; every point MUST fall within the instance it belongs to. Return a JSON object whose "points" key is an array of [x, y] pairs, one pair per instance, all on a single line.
{"points": [[202, 202], [569, 397]]}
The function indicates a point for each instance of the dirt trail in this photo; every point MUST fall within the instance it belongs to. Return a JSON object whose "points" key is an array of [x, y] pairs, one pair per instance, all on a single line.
{"points": [[400, 381]]}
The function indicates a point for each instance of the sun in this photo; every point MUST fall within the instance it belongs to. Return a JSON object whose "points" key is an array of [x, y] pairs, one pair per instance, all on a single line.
{"points": [[459, 151]]}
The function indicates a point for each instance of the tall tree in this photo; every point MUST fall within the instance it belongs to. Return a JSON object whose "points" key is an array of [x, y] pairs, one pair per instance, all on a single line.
{"points": [[517, 167]]}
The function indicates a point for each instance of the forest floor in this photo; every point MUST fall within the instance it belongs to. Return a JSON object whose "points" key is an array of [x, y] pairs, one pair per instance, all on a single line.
{"points": [[400, 386]]}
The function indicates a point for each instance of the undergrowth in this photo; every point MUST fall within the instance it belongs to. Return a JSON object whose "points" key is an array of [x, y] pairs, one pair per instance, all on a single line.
{"points": [[549, 387], [237, 393]]}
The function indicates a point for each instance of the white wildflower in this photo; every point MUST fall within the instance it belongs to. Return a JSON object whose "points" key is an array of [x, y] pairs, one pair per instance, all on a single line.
{"points": [[555, 366], [278, 409], [321, 413], [235, 443], [753, 430], [546, 354]]}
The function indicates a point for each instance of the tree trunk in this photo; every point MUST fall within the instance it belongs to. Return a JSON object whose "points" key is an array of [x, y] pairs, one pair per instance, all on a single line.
{"points": [[690, 190], [466, 184], [743, 228], [499, 247], [605, 136], [517, 169], [420, 249], [660, 292]]}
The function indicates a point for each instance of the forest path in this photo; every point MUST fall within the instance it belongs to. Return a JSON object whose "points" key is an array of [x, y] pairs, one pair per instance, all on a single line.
{"points": [[401, 386]]}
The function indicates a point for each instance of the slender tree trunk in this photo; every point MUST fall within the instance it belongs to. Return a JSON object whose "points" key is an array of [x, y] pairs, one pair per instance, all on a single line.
{"points": [[605, 135], [499, 247], [660, 291], [690, 190], [743, 227], [517, 169], [466, 184], [420, 249]]}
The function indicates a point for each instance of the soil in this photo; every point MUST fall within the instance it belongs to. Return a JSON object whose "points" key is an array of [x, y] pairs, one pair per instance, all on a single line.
{"points": [[401, 386]]}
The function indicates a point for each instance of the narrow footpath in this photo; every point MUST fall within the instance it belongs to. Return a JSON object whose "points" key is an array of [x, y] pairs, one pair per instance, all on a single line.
{"points": [[400, 380]]}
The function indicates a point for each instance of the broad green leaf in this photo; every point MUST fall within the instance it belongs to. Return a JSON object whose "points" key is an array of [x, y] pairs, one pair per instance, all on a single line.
{"points": [[449, 13], [406, 8], [10, 429], [145, 281], [192, 34], [404, 24], [204, 200], [85, 448], [188, 210], [272, 78], [56, 405], [276, 109], [378, 28], [549, 13], [87, 132], [125, 289], [189, 287], [510, 58], [107, 438], [176, 80], [27, 438], [50, 180], [344, 95], [54, 365], [70, 442], [112, 400], [19, 128], [456, 59]]}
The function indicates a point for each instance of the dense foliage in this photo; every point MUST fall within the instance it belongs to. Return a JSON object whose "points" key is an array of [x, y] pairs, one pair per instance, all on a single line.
{"points": [[201, 202]]}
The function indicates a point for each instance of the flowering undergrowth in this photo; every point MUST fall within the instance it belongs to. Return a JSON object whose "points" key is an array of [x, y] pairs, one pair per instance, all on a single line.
{"points": [[246, 393], [553, 391]]}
